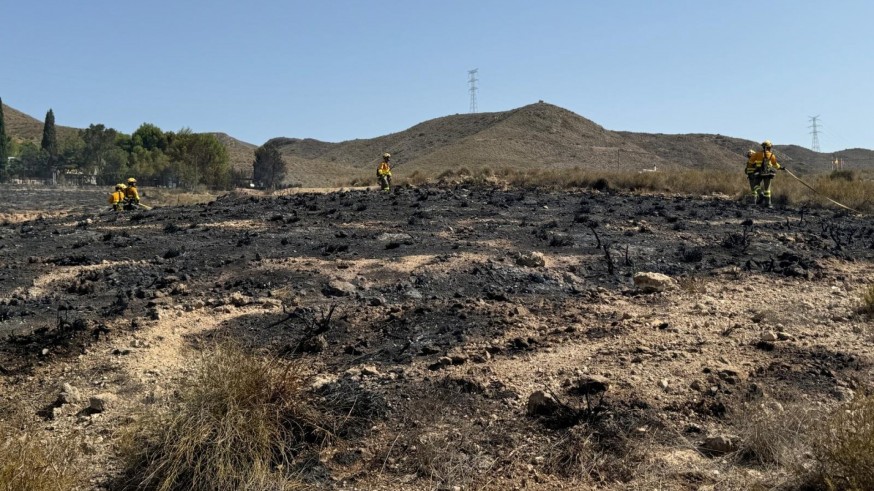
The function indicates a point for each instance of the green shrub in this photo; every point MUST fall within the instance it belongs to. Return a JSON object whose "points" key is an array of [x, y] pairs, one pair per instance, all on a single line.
{"points": [[236, 425]]}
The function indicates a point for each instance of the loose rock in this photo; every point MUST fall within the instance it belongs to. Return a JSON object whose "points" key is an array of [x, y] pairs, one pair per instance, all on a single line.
{"points": [[654, 282], [101, 402], [541, 403], [531, 260], [720, 445]]}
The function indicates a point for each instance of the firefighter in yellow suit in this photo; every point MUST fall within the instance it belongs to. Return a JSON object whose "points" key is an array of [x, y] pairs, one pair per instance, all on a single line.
{"points": [[761, 168], [131, 195], [383, 173], [116, 199]]}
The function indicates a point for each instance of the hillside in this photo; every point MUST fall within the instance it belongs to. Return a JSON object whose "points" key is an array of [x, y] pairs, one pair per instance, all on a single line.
{"points": [[541, 135], [538, 135], [21, 127], [241, 153]]}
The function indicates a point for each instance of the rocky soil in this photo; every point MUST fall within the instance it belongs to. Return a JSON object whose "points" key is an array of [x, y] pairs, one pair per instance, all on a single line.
{"points": [[498, 338]]}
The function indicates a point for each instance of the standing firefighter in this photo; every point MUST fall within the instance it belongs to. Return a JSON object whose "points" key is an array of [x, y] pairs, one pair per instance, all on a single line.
{"points": [[383, 173], [131, 195], [761, 168], [116, 199]]}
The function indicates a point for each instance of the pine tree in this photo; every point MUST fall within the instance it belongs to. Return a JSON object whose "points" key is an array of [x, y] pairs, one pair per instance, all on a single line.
{"points": [[268, 168], [4, 146], [49, 135], [50, 144]]}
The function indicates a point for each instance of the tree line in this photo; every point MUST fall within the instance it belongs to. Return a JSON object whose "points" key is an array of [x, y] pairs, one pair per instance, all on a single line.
{"points": [[104, 156]]}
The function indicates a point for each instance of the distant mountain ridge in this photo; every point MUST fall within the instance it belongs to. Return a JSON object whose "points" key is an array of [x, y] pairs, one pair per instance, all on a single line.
{"points": [[540, 135]]}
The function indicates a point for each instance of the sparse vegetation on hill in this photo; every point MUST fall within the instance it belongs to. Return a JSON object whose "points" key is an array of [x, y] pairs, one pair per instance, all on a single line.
{"points": [[240, 153], [23, 128], [538, 136]]}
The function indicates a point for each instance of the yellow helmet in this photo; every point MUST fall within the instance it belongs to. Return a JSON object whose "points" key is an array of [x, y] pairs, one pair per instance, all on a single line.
{"points": [[131, 180], [766, 144], [120, 187], [750, 152], [386, 155]]}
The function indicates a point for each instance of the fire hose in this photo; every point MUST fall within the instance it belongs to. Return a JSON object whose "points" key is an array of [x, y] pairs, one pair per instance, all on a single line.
{"points": [[820, 194]]}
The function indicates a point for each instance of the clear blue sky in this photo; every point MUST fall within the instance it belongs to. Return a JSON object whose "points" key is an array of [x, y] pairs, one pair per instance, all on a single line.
{"points": [[339, 70]]}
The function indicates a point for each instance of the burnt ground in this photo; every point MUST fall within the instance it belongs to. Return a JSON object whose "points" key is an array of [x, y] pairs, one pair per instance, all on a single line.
{"points": [[445, 322]]}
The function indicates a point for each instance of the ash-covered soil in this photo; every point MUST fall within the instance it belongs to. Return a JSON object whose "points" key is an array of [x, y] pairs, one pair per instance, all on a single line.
{"points": [[446, 307]]}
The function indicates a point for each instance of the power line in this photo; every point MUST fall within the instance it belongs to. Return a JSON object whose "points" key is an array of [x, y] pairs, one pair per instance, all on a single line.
{"points": [[814, 126], [472, 80]]}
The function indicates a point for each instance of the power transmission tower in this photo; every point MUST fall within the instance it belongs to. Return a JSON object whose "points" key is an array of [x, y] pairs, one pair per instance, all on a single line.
{"points": [[472, 80], [814, 131]]}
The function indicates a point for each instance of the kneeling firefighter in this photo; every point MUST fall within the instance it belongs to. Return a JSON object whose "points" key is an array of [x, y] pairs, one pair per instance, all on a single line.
{"points": [[383, 173], [131, 195], [116, 199]]}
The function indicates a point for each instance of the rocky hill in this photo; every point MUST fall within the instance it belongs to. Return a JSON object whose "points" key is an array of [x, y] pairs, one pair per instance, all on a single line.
{"points": [[241, 153], [538, 135], [21, 127]]}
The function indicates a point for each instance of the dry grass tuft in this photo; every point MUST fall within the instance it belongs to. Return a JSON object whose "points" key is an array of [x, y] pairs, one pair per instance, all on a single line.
{"points": [[586, 455], [844, 448], [618, 447], [439, 446], [237, 424], [868, 301], [170, 197], [770, 434], [575, 454], [28, 463], [847, 175], [693, 284], [448, 455]]}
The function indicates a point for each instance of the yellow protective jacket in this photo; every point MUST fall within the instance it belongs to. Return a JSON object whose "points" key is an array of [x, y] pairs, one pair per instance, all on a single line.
{"points": [[384, 169], [116, 197], [754, 163], [132, 194]]}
